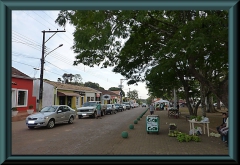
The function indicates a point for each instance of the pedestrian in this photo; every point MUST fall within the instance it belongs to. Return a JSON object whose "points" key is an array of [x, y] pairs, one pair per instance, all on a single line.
{"points": [[177, 106], [98, 111], [223, 124], [151, 109]]}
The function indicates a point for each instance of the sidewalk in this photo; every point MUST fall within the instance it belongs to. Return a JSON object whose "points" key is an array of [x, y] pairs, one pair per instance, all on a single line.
{"points": [[139, 142], [20, 116]]}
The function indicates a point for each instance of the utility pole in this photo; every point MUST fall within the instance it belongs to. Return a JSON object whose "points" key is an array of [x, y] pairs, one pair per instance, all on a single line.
{"points": [[129, 94], [42, 65], [121, 80]]}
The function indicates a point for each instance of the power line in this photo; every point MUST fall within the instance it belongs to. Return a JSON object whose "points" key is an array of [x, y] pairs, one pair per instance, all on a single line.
{"points": [[27, 56], [52, 26], [33, 67], [56, 66], [61, 57], [33, 18], [54, 21]]}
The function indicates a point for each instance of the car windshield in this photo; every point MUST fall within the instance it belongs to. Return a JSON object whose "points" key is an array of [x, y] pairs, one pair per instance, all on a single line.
{"points": [[116, 104], [89, 104], [109, 105], [49, 109]]}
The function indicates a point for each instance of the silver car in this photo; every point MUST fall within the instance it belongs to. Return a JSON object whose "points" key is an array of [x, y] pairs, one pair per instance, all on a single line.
{"points": [[51, 115]]}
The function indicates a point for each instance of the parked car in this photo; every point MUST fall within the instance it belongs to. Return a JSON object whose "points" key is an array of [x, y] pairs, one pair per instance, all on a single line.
{"points": [[51, 115], [118, 107], [124, 106], [111, 109], [88, 109], [144, 105], [136, 105], [132, 105], [128, 105]]}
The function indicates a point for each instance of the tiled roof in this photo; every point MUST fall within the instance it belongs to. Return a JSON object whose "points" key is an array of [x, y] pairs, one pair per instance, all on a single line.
{"points": [[17, 73], [105, 92], [116, 92], [70, 86]]}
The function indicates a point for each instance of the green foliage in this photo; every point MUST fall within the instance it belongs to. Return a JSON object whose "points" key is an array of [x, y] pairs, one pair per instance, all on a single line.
{"points": [[162, 47], [117, 89], [183, 137], [132, 94], [91, 85]]}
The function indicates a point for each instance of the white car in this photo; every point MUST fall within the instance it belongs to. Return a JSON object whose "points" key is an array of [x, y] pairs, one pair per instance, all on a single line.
{"points": [[124, 106]]}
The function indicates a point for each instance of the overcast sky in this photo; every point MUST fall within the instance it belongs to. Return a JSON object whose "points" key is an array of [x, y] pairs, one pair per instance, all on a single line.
{"points": [[27, 36]]}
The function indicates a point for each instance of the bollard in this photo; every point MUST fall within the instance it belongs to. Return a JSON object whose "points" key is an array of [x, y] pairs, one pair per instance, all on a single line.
{"points": [[131, 126], [124, 134]]}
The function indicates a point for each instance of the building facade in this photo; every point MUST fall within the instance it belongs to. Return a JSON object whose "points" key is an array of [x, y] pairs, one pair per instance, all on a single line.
{"points": [[22, 91]]}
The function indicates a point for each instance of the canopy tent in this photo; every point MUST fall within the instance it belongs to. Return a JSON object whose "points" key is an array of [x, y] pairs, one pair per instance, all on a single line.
{"points": [[162, 101]]}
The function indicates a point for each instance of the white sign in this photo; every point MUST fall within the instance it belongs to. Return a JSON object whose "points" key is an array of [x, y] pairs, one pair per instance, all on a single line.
{"points": [[152, 123]]}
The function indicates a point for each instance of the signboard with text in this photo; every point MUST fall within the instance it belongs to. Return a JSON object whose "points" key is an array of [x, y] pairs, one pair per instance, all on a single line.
{"points": [[152, 123]]}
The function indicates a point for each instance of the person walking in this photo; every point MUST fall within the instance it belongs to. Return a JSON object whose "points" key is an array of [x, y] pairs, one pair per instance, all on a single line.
{"points": [[151, 109], [98, 111]]}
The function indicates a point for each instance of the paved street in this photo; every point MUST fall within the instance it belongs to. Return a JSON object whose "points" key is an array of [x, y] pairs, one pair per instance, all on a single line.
{"points": [[90, 136]]}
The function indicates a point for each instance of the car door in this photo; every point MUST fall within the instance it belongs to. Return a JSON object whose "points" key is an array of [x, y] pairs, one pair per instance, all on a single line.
{"points": [[67, 113], [59, 115]]}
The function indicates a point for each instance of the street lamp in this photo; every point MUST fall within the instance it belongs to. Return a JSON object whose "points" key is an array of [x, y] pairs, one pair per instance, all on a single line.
{"points": [[35, 71], [41, 76], [53, 50]]}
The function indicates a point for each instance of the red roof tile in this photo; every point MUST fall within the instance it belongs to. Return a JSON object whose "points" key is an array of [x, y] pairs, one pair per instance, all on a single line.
{"points": [[17, 73]]}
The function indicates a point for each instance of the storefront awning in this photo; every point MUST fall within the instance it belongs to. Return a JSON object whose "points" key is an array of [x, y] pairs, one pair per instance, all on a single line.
{"points": [[67, 94]]}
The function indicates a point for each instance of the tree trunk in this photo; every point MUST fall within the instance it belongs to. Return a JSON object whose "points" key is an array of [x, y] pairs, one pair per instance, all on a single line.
{"points": [[211, 107], [218, 104], [203, 107], [220, 90]]}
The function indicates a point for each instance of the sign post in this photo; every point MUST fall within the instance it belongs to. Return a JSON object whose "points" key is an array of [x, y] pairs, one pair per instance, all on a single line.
{"points": [[152, 123]]}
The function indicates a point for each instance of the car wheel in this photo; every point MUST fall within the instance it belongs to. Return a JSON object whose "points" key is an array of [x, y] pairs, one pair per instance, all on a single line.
{"points": [[31, 127], [111, 112], [102, 113], [50, 124], [79, 116], [70, 121]]}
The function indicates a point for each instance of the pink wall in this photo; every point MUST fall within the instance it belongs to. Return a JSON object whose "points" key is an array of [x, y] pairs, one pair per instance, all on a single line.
{"points": [[25, 84]]}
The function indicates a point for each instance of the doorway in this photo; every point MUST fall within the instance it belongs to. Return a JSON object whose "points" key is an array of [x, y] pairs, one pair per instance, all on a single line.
{"points": [[62, 100]]}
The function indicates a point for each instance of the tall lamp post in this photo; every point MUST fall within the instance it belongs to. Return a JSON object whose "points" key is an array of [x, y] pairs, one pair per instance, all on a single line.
{"points": [[42, 62], [41, 76]]}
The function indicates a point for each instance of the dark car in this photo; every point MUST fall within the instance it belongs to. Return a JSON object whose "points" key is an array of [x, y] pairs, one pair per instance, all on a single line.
{"points": [[118, 107]]}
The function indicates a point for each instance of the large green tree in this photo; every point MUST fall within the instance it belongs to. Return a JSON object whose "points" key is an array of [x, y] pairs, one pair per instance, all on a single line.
{"points": [[117, 89], [92, 85], [195, 40], [133, 95]]}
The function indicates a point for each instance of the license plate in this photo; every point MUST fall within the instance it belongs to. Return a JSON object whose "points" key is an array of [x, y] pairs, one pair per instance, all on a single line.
{"points": [[30, 122], [84, 114]]}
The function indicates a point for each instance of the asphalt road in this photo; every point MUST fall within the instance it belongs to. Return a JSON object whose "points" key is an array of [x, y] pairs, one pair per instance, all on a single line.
{"points": [[86, 136]]}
